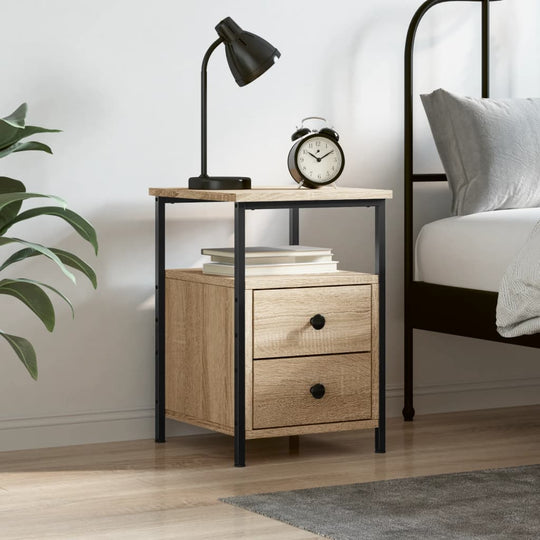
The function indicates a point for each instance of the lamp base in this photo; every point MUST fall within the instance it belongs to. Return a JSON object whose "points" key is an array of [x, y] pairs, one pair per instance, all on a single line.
{"points": [[219, 182]]}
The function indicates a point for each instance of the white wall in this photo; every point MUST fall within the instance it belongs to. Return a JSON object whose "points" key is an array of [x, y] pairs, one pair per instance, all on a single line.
{"points": [[121, 78]]}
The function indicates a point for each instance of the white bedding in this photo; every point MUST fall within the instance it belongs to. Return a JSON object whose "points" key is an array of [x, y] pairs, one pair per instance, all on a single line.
{"points": [[518, 304], [472, 251]]}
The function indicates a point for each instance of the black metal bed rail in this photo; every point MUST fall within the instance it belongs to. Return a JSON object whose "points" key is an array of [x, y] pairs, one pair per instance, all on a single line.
{"points": [[410, 177], [428, 178]]}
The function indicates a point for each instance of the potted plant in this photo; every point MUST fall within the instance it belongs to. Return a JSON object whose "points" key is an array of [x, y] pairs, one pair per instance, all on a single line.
{"points": [[32, 293]]}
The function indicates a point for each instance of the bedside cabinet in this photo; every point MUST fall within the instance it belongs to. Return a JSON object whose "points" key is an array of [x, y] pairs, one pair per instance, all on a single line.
{"points": [[271, 355], [311, 347]]}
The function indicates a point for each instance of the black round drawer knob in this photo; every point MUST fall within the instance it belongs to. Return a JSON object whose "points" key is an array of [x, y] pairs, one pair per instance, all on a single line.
{"points": [[317, 390], [317, 321]]}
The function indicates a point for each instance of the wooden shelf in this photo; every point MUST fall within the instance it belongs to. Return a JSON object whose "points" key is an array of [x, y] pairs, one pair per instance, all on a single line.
{"points": [[264, 194], [273, 281]]}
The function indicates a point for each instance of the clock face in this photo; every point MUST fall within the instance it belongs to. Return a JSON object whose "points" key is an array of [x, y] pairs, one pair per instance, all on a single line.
{"points": [[319, 159]]}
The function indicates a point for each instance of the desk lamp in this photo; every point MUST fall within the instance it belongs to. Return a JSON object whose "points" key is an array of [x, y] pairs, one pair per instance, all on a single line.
{"points": [[249, 56]]}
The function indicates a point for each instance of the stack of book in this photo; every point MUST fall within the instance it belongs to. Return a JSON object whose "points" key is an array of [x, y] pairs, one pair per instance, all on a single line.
{"points": [[279, 260]]}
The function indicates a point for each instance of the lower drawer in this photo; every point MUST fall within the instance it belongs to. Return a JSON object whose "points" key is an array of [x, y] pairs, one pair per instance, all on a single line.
{"points": [[311, 390]]}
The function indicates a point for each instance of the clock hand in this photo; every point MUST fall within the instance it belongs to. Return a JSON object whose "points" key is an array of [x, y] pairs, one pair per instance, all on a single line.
{"points": [[322, 157], [312, 155]]}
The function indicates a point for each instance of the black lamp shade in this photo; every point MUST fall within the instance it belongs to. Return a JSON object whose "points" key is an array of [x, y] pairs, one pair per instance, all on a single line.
{"points": [[248, 55]]}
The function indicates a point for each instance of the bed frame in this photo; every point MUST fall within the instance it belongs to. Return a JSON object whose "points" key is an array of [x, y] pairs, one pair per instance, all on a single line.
{"points": [[438, 308]]}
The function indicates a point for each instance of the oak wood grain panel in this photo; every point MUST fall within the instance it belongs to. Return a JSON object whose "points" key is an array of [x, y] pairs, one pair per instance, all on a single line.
{"points": [[276, 282], [281, 321], [199, 352], [249, 359], [375, 350], [281, 390], [261, 194], [332, 427], [199, 422], [310, 280]]}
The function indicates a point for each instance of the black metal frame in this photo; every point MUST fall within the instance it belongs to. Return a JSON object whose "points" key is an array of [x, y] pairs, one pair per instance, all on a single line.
{"points": [[239, 308], [438, 308]]}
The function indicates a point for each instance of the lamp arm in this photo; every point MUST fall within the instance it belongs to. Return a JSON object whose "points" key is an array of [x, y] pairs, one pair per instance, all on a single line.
{"points": [[203, 103]]}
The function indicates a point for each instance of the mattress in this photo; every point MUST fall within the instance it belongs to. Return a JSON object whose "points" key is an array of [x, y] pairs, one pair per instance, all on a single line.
{"points": [[472, 251]]}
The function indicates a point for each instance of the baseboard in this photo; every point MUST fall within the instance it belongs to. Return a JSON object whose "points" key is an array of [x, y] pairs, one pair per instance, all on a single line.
{"points": [[83, 428], [441, 398], [132, 424]]}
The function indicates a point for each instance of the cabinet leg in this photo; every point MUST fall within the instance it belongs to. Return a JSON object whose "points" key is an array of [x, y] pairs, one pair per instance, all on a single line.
{"points": [[239, 451], [380, 269], [294, 444], [239, 335], [380, 440], [160, 322]]}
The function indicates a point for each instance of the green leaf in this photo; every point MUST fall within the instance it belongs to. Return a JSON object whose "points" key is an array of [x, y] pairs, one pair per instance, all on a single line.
{"points": [[33, 296], [24, 351], [81, 226], [69, 259], [32, 145], [23, 146], [24, 280], [10, 185], [43, 250], [10, 136], [13, 129], [8, 198], [8, 150], [17, 117], [32, 130], [9, 143], [9, 212]]}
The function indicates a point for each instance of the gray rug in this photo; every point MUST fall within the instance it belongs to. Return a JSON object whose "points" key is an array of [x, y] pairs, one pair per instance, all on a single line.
{"points": [[495, 504]]}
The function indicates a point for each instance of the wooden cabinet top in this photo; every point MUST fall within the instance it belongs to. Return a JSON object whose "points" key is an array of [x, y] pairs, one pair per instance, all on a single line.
{"points": [[263, 194], [327, 279]]}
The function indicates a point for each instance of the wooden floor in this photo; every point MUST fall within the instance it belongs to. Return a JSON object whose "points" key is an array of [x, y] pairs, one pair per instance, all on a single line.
{"points": [[141, 490]]}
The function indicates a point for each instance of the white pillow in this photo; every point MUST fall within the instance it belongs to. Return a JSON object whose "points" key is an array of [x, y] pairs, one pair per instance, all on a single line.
{"points": [[490, 150]]}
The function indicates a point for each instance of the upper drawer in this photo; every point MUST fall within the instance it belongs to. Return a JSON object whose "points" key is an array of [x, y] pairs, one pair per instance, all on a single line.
{"points": [[314, 320]]}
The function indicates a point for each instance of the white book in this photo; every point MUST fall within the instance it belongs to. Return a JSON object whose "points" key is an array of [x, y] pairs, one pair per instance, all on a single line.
{"points": [[272, 269], [275, 259], [266, 251]]}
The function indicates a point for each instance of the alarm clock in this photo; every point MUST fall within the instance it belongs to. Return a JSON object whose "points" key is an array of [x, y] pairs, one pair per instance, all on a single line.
{"points": [[316, 158]]}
